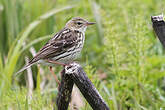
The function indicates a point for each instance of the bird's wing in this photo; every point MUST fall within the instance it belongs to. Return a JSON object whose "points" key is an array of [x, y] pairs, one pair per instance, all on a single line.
{"points": [[59, 44]]}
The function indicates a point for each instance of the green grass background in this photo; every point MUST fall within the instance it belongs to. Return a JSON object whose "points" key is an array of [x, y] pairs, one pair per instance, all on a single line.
{"points": [[121, 46]]}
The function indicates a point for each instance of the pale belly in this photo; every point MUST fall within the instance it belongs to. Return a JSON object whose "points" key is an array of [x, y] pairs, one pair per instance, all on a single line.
{"points": [[69, 58]]}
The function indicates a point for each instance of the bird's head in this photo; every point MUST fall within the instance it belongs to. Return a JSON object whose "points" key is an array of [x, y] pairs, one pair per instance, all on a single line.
{"points": [[78, 24]]}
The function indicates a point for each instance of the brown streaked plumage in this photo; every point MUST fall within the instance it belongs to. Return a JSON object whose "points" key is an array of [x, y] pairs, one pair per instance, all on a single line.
{"points": [[65, 46]]}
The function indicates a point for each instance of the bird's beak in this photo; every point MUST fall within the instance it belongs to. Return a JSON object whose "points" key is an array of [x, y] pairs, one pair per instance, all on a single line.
{"points": [[90, 23]]}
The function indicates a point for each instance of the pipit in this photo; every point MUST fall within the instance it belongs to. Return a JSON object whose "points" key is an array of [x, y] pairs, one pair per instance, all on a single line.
{"points": [[64, 46]]}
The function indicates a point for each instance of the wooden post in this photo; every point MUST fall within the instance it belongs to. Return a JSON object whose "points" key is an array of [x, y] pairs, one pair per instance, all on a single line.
{"points": [[64, 92], [75, 73], [159, 27]]}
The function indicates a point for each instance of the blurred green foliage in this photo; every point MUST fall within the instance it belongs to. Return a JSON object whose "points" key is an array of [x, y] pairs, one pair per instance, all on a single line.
{"points": [[121, 47]]}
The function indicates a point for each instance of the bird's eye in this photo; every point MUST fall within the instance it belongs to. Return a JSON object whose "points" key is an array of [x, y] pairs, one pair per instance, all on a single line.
{"points": [[79, 23]]}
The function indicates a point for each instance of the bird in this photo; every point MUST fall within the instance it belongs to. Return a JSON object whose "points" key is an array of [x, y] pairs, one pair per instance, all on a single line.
{"points": [[64, 47]]}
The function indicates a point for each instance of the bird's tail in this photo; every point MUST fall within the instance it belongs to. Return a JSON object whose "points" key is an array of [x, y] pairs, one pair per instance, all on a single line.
{"points": [[24, 68]]}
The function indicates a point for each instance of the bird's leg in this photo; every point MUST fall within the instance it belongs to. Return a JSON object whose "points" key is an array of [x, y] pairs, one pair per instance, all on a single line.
{"points": [[55, 62], [55, 77]]}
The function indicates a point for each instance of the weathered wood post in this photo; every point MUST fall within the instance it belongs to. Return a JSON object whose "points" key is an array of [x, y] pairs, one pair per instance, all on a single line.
{"points": [[74, 74], [159, 27]]}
